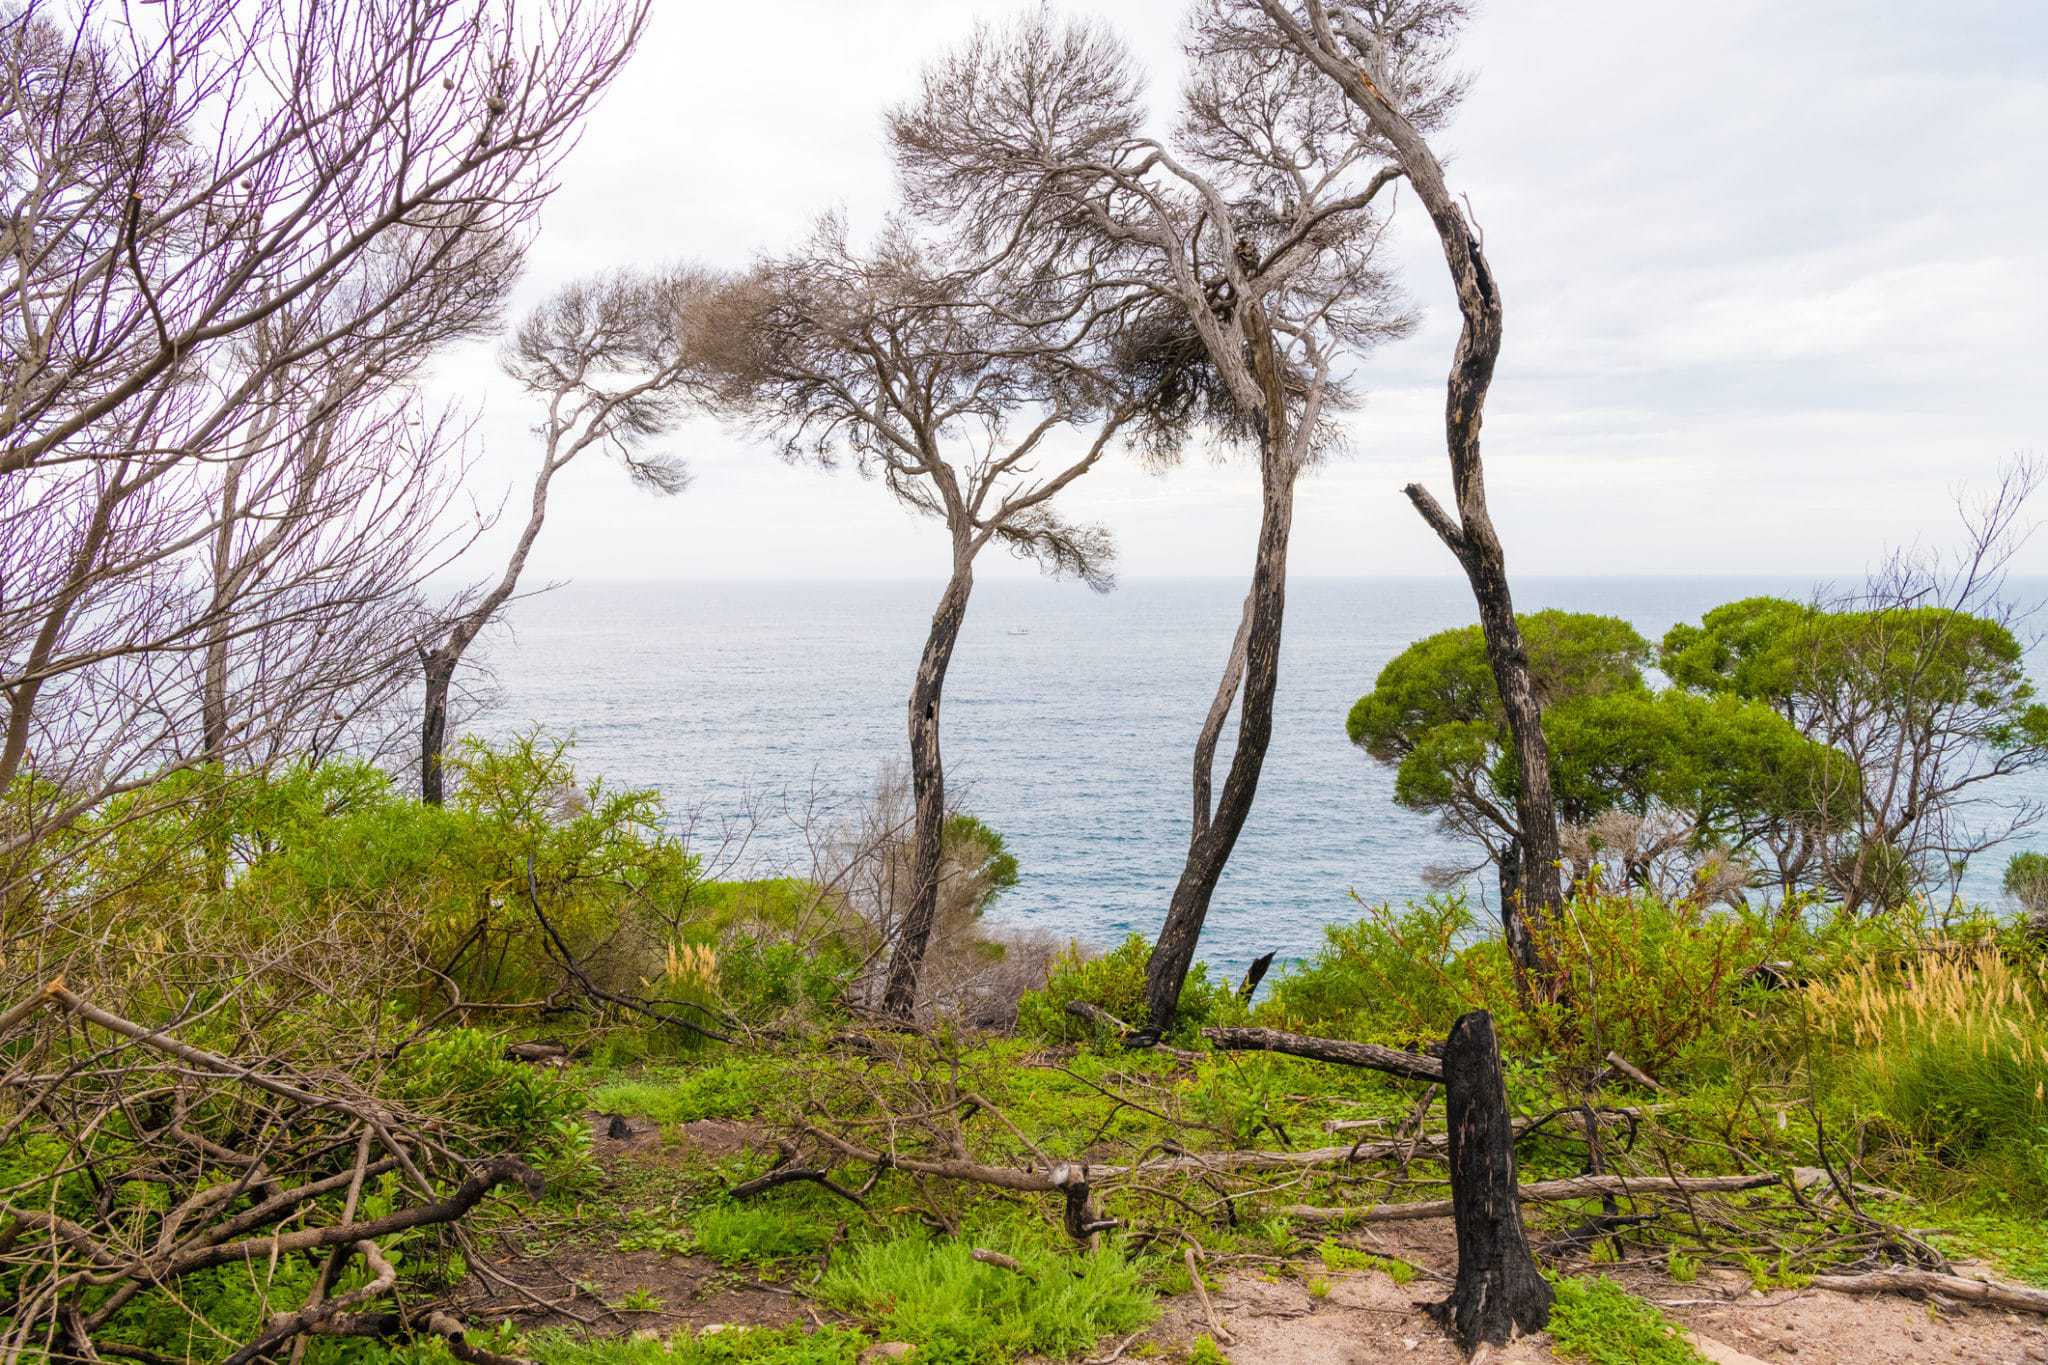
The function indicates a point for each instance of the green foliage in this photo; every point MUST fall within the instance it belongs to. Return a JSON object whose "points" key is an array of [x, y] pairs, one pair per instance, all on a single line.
{"points": [[990, 868], [2026, 881], [956, 1309], [1733, 769], [1944, 1060], [732, 1234], [1115, 981], [1389, 975], [463, 1074], [1205, 1351], [733, 1085], [732, 1346], [1597, 1321]]}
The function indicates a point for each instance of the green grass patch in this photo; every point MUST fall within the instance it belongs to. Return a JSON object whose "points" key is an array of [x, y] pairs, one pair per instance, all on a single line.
{"points": [[958, 1311], [728, 1088], [1597, 1321], [740, 1346]]}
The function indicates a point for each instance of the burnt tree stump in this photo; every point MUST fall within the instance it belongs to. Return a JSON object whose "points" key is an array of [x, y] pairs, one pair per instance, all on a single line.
{"points": [[1499, 1294]]}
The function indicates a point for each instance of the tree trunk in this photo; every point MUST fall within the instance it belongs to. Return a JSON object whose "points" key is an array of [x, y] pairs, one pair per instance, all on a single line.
{"points": [[928, 790], [1471, 536], [440, 675], [1499, 1293], [1210, 847]]}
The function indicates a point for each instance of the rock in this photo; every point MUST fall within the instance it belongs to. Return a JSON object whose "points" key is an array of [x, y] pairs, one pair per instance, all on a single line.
{"points": [[885, 1350], [1720, 1352]]}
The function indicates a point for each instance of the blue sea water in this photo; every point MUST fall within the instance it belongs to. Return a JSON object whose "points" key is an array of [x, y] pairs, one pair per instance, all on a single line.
{"points": [[1069, 723]]}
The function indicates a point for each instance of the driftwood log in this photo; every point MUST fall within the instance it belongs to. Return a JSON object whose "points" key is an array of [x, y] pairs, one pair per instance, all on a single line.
{"points": [[1498, 1294]]}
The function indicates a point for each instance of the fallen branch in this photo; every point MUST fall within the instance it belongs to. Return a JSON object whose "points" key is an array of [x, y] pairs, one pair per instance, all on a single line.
{"points": [[1102, 1018], [1541, 1192], [1413, 1066], [2012, 1297], [1216, 1328]]}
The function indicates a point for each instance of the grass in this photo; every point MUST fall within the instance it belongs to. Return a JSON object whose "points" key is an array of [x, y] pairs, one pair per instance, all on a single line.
{"points": [[739, 1346], [958, 1311], [1948, 1059], [1597, 1321], [728, 1087]]}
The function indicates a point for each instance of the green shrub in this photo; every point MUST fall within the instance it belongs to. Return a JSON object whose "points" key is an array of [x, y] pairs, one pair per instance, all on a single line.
{"points": [[733, 1234], [1390, 975], [1115, 982], [463, 1074]]}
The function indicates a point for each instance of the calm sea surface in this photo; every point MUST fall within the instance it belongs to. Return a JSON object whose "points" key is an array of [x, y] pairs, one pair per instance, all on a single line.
{"points": [[1069, 722]]}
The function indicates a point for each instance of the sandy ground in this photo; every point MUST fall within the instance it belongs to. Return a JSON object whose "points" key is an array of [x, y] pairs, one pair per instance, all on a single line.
{"points": [[1367, 1318]]}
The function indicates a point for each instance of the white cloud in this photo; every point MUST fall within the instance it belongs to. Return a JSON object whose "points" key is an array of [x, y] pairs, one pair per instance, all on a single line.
{"points": [[1773, 278]]}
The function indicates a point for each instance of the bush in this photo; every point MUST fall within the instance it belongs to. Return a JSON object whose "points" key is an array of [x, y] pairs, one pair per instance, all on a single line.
{"points": [[1115, 982], [1391, 976]]}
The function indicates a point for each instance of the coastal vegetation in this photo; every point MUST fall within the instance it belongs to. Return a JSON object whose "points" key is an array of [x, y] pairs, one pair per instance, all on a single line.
{"points": [[325, 1037]]}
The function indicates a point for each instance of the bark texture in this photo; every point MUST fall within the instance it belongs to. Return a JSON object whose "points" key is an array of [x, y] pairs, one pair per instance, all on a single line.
{"points": [[1255, 659], [1350, 60], [928, 791], [1499, 1293]]}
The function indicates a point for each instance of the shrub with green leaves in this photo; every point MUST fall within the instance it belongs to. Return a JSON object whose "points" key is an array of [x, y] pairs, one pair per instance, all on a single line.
{"points": [[1115, 982]]}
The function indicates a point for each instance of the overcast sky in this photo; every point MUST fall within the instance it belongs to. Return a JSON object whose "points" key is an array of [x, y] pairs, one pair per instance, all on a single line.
{"points": [[1773, 278]]}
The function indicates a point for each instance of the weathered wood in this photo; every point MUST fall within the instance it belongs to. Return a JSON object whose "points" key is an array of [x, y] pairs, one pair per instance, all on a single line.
{"points": [[1255, 666], [1540, 1192], [1412, 1066], [928, 791], [1498, 1294], [2008, 1296]]}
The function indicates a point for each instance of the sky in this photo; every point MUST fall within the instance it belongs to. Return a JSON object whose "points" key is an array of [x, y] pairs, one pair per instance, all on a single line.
{"points": [[1772, 275]]}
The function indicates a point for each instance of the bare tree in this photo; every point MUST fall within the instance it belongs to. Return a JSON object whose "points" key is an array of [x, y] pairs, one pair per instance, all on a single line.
{"points": [[1387, 56], [892, 357], [1235, 262], [612, 361], [232, 232]]}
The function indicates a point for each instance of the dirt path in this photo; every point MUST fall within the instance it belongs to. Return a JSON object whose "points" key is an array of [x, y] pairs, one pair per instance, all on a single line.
{"points": [[1366, 1318]]}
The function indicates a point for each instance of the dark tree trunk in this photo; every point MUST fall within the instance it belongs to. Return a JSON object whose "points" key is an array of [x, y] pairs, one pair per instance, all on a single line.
{"points": [[1470, 535], [1499, 1294], [1214, 837], [928, 790], [440, 676]]}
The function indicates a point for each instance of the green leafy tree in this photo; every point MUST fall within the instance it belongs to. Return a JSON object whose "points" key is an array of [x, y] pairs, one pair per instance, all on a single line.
{"points": [[1659, 788], [1927, 705]]}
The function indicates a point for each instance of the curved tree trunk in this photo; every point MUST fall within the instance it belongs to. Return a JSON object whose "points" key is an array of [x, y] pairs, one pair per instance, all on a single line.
{"points": [[928, 790], [1256, 658], [1471, 536], [440, 663]]}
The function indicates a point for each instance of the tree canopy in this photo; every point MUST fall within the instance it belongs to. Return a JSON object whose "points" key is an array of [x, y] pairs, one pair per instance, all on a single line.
{"points": [[1691, 775]]}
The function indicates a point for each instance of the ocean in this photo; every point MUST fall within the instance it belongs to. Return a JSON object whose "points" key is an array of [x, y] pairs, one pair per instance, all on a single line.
{"points": [[1069, 723]]}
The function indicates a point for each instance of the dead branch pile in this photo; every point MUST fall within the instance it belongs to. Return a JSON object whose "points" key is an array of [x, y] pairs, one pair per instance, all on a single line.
{"points": [[154, 1163]]}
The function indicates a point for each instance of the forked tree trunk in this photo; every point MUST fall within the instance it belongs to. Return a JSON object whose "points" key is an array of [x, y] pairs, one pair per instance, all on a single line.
{"points": [[1256, 658], [1499, 1294], [1470, 535], [928, 791]]}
